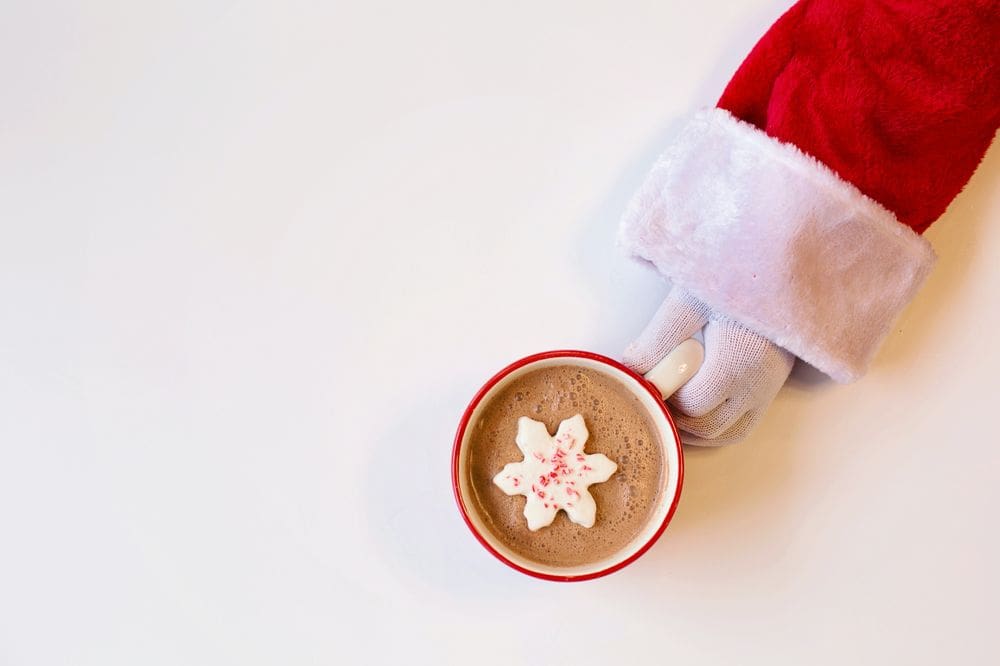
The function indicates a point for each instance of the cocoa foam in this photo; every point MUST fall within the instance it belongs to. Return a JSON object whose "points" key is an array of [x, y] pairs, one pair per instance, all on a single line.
{"points": [[619, 427]]}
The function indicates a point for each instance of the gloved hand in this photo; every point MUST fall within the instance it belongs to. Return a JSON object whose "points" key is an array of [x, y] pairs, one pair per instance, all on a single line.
{"points": [[739, 378]]}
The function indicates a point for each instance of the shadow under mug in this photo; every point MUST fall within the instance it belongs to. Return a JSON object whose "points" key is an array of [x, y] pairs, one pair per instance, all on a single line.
{"points": [[651, 390]]}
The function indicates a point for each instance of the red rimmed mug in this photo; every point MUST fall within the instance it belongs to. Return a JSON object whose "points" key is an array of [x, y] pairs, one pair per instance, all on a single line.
{"points": [[651, 391]]}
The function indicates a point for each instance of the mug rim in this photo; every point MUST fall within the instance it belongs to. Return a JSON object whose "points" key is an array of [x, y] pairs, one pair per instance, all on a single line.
{"points": [[463, 426]]}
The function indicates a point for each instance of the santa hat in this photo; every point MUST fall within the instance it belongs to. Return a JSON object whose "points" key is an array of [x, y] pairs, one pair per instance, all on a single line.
{"points": [[796, 206]]}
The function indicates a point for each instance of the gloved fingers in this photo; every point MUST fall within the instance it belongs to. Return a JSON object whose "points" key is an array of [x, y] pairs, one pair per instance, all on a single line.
{"points": [[714, 381], [678, 318], [743, 373], [717, 421], [737, 362], [736, 432], [737, 416]]}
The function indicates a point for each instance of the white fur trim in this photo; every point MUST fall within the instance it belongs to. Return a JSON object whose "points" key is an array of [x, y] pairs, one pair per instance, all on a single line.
{"points": [[771, 237]]}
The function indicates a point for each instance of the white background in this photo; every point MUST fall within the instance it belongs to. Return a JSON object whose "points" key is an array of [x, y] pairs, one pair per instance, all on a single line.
{"points": [[255, 259]]}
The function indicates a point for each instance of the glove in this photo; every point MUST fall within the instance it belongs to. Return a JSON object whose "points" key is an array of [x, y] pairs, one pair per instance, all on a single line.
{"points": [[741, 373]]}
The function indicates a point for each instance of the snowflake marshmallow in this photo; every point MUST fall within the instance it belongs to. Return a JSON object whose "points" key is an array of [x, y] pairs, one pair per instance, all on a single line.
{"points": [[555, 472]]}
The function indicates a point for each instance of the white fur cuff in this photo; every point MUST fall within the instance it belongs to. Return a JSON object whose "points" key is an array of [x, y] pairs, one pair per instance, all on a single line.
{"points": [[771, 237]]}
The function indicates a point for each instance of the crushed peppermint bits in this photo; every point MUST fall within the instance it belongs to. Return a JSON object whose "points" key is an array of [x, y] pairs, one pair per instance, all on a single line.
{"points": [[555, 472]]}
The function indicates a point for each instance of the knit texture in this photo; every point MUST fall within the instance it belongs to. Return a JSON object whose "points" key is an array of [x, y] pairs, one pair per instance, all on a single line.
{"points": [[741, 373]]}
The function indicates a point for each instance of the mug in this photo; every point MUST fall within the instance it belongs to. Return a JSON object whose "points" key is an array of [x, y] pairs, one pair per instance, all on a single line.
{"points": [[651, 390]]}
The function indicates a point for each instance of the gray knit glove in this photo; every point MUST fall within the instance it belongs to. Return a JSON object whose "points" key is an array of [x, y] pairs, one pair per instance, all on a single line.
{"points": [[739, 378]]}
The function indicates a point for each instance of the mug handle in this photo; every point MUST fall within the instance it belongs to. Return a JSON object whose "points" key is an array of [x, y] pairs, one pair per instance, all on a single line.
{"points": [[676, 367]]}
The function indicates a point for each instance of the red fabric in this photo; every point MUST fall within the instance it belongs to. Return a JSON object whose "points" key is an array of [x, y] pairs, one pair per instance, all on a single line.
{"points": [[899, 97]]}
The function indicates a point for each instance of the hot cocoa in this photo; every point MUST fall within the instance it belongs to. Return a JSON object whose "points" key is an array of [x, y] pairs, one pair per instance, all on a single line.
{"points": [[618, 426]]}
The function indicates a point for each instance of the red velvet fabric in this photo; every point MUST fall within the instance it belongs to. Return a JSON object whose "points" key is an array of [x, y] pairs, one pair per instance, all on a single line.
{"points": [[899, 97]]}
